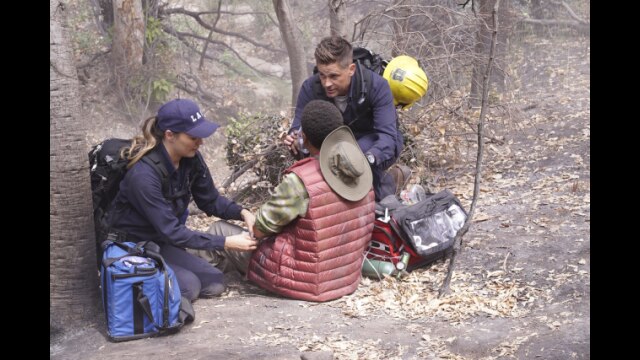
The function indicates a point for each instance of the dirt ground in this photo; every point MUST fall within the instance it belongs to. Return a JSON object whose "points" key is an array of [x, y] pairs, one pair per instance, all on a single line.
{"points": [[521, 288]]}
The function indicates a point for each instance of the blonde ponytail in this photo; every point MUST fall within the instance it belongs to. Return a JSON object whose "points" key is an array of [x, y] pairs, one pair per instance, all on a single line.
{"points": [[142, 144]]}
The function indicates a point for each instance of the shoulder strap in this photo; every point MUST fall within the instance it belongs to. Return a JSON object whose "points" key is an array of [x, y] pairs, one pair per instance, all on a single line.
{"points": [[363, 86], [362, 89], [318, 91], [153, 158]]}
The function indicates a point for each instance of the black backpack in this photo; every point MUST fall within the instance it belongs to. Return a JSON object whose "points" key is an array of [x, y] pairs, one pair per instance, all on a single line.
{"points": [[108, 168], [370, 60]]}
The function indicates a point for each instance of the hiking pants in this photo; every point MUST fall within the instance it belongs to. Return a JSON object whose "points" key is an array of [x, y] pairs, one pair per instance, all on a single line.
{"points": [[196, 277]]}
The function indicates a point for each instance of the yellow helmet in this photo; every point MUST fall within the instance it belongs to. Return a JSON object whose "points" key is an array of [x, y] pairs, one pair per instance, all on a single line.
{"points": [[407, 80]]}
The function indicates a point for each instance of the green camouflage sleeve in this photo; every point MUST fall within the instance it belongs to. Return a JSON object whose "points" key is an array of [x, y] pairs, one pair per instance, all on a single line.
{"points": [[289, 200]]}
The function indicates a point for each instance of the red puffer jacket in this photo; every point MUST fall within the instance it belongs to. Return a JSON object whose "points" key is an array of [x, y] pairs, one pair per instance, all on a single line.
{"points": [[317, 257]]}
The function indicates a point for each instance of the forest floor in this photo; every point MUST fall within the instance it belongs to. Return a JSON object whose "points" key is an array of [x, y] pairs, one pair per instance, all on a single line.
{"points": [[521, 288]]}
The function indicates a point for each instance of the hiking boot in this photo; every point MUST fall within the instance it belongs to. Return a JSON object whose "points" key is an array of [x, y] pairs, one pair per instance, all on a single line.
{"points": [[401, 175]]}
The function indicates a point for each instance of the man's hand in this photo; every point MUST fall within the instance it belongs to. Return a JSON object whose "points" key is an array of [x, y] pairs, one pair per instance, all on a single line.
{"points": [[291, 141], [240, 242], [249, 219]]}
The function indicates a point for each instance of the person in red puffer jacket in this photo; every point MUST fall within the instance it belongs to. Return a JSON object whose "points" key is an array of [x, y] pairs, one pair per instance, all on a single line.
{"points": [[315, 227]]}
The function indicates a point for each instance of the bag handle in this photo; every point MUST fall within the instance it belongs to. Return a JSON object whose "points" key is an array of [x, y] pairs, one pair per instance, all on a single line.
{"points": [[143, 301], [140, 250]]}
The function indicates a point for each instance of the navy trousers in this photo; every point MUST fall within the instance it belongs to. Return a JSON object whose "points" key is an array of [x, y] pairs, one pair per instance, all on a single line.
{"points": [[196, 277]]}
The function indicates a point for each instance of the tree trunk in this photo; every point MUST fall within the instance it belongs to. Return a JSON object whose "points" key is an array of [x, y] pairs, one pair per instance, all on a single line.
{"points": [[505, 23], [289, 34], [103, 15], [338, 18], [128, 39], [73, 278]]}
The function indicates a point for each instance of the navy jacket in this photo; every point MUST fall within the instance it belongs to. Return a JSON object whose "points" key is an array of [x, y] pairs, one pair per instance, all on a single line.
{"points": [[143, 213], [377, 130]]}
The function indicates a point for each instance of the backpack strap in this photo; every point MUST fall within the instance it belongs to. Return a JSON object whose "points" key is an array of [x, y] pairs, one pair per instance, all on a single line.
{"points": [[361, 89], [154, 159]]}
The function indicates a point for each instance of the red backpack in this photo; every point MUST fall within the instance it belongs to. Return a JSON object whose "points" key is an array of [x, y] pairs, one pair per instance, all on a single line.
{"points": [[412, 236]]}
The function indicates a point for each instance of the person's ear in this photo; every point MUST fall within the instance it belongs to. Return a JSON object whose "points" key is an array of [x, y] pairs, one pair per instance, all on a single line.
{"points": [[352, 69], [307, 144], [169, 135]]}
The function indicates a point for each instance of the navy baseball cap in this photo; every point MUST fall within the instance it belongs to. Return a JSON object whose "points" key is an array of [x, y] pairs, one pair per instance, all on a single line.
{"points": [[182, 115]]}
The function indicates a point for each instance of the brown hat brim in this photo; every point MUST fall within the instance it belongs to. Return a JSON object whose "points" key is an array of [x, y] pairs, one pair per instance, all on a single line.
{"points": [[355, 190]]}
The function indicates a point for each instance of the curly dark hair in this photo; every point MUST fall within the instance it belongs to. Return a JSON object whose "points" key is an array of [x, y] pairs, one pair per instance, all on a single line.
{"points": [[319, 118]]}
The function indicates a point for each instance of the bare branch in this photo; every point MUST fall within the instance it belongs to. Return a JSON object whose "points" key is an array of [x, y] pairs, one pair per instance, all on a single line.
{"points": [[199, 91], [457, 241], [183, 35], [574, 24], [197, 16], [206, 44], [571, 12]]}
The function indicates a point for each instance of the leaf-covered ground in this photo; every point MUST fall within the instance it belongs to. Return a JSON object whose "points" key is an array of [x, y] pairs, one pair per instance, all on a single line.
{"points": [[522, 286]]}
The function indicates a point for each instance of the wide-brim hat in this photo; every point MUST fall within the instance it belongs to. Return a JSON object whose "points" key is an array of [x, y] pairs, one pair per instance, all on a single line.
{"points": [[344, 166]]}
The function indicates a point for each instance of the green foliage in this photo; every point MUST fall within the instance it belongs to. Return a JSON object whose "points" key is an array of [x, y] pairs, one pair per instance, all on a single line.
{"points": [[160, 88], [153, 30], [153, 84], [143, 88]]}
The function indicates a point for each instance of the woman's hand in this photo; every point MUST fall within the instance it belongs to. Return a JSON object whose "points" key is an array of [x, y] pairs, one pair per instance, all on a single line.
{"points": [[240, 242], [249, 219]]}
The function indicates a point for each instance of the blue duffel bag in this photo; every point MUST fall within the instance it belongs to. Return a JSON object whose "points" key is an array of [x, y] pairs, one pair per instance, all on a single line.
{"points": [[140, 293]]}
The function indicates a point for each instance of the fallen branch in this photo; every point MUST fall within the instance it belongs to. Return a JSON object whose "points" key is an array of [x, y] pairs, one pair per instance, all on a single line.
{"points": [[546, 22], [504, 263], [248, 165], [246, 188]]}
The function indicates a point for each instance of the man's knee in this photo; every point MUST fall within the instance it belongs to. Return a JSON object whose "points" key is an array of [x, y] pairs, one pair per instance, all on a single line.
{"points": [[224, 228]]}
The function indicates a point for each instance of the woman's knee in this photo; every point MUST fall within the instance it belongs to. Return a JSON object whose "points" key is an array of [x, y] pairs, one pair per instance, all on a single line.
{"points": [[212, 290], [189, 283], [190, 293]]}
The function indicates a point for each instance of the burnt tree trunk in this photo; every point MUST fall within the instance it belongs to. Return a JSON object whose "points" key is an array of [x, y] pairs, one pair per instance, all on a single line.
{"points": [[127, 49], [73, 282]]}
